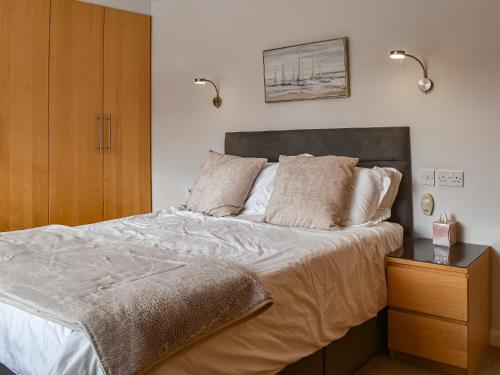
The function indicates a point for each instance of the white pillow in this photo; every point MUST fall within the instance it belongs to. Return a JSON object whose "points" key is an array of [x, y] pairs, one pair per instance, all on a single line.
{"points": [[384, 211], [262, 188], [368, 191]]}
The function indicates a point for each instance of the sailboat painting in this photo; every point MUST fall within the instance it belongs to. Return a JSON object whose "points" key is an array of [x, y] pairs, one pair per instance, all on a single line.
{"points": [[307, 71]]}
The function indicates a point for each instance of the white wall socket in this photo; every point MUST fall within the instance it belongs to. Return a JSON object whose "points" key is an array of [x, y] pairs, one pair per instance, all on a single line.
{"points": [[427, 177], [450, 178]]}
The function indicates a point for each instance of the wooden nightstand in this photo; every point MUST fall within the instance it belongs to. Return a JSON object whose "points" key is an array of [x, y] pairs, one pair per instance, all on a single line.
{"points": [[438, 311]]}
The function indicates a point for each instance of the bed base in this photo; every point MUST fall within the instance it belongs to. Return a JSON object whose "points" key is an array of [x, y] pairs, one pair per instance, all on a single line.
{"points": [[341, 357], [5, 371], [344, 356]]}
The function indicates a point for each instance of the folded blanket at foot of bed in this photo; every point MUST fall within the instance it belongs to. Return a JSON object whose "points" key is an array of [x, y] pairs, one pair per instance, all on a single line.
{"points": [[137, 304]]}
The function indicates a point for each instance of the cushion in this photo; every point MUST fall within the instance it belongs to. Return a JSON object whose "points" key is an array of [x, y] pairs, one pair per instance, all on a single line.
{"points": [[384, 211], [368, 190], [262, 188], [223, 184], [310, 192]]}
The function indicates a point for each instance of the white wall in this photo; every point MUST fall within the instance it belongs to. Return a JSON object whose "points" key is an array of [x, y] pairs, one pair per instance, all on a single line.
{"points": [[456, 126], [137, 6]]}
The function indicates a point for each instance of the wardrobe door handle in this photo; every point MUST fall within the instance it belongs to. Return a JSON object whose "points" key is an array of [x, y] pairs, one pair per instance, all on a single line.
{"points": [[110, 133], [100, 133]]}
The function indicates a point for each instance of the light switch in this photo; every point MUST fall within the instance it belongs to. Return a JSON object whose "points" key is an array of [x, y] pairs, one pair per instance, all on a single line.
{"points": [[450, 178], [427, 177]]}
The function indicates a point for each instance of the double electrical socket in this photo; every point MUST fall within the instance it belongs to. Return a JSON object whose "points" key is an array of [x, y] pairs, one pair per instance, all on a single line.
{"points": [[450, 178], [444, 178]]}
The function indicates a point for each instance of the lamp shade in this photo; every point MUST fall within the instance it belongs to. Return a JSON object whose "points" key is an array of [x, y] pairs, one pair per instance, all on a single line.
{"points": [[398, 54], [200, 81]]}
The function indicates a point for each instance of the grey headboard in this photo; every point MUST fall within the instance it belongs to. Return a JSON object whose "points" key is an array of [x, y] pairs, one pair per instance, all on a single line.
{"points": [[384, 147]]}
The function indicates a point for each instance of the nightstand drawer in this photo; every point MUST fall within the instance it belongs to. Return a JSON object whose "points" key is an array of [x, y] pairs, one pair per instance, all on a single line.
{"points": [[429, 338], [429, 291]]}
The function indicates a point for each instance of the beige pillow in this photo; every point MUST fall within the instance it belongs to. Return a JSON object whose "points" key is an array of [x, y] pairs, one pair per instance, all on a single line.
{"points": [[223, 184], [311, 192]]}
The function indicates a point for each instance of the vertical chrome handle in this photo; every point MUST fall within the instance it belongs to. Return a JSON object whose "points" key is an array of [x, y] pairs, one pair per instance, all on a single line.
{"points": [[110, 133], [100, 134]]}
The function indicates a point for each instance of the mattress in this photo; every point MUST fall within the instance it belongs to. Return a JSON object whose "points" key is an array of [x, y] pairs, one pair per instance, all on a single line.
{"points": [[323, 282]]}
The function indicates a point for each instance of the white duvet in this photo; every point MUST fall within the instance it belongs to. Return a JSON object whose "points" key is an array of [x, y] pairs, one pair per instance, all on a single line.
{"points": [[323, 283]]}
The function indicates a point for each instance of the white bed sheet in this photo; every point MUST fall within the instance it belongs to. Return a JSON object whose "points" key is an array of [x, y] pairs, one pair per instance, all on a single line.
{"points": [[323, 283]]}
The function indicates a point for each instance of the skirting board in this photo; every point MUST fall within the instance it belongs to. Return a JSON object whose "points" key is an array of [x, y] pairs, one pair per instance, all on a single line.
{"points": [[495, 338]]}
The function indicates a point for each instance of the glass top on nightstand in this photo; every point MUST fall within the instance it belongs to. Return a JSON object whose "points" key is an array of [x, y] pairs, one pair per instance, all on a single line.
{"points": [[422, 250]]}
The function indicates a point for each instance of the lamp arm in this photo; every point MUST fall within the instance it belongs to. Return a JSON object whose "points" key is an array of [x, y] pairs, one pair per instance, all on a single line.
{"points": [[420, 62], [215, 87]]}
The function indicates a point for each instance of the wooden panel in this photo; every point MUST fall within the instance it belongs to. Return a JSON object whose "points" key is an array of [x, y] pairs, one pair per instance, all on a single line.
{"points": [[433, 266], [127, 88], [428, 338], [428, 291], [76, 99], [479, 309], [24, 45]]}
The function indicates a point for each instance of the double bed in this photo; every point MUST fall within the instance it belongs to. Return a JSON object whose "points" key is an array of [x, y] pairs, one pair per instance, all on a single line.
{"points": [[328, 286]]}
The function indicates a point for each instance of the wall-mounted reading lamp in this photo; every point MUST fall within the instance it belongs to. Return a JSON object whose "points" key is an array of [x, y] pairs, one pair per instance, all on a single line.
{"points": [[217, 100], [425, 84]]}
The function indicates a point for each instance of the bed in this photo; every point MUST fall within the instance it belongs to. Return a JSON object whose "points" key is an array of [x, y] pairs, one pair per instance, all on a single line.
{"points": [[295, 264]]}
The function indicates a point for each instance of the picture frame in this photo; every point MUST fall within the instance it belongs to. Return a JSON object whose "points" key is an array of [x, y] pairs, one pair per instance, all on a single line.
{"points": [[307, 71]]}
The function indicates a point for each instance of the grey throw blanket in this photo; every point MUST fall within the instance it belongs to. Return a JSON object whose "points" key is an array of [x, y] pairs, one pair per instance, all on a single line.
{"points": [[137, 304]]}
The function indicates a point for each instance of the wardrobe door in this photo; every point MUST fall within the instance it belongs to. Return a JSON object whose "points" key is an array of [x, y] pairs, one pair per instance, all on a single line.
{"points": [[24, 46], [76, 102], [127, 105]]}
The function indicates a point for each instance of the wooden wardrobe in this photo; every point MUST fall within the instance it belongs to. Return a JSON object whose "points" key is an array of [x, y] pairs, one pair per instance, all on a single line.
{"points": [[75, 129]]}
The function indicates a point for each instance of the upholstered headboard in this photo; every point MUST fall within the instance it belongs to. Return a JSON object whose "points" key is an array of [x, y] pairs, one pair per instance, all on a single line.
{"points": [[384, 147]]}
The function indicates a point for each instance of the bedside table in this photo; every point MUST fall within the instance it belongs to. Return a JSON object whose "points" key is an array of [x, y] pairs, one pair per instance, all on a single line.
{"points": [[439, 303]]}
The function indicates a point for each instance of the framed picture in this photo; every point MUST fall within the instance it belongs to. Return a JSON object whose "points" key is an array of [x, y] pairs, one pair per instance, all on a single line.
{"points": [[307, 71]]}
